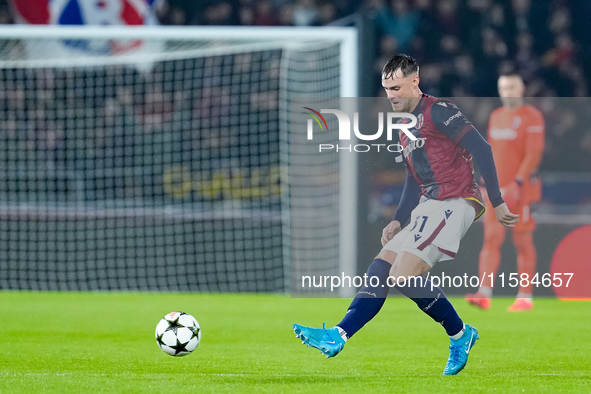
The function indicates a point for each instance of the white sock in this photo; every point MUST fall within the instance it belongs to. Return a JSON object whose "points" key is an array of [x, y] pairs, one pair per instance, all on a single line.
{"points": [[526, 296], [486, 291], [459, 334], [342, 333]]}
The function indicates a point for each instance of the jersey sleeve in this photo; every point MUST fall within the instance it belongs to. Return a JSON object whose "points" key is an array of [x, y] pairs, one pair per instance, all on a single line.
{"points": [[535, 130], [534, 144], [491, 123], [481, 151], [409, 199], [450, 120]]}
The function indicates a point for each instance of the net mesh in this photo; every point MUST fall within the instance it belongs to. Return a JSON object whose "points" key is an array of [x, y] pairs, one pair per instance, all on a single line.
{"points": [[314, 178], [158, 169]]}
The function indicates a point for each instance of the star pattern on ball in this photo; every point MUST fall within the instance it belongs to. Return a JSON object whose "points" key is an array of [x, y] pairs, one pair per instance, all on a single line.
{"points": [[173, 325], [159, 340], [179, 347], [195, 331]]}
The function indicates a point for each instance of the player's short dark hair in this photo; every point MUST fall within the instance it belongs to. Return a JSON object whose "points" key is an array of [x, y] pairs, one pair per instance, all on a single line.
{"points": [[405, 63], [510, 72]]}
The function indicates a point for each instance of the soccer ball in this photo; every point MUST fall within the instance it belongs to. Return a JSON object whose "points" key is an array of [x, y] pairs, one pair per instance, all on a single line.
{"points": [[178, 334]]}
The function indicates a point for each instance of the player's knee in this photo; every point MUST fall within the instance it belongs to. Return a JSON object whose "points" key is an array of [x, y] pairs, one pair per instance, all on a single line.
{"points": [[387, 255], [403, 272], [524, 242], [407, 265], [397, 272]]}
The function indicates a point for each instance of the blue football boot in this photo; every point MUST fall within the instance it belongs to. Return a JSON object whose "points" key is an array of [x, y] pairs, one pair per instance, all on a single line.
{"points": [[459, 350], [327, 340]]}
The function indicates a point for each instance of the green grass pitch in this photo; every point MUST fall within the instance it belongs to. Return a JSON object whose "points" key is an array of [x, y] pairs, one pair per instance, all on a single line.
{"points": [[104, 342]]}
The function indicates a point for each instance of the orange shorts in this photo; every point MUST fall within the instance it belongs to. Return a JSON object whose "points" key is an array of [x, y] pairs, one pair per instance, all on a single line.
{"points": [[531, 192]]}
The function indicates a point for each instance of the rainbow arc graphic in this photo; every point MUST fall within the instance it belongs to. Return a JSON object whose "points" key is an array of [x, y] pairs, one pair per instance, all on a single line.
{"points": [[315, 115]]}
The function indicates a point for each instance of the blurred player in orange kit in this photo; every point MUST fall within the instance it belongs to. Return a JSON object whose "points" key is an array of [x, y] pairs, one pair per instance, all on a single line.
{"points": [[516, 134]]}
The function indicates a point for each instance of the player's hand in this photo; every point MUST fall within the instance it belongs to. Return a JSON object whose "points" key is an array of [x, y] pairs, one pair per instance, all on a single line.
{"points": [[390, 231], [505, 216], [511, 193]]}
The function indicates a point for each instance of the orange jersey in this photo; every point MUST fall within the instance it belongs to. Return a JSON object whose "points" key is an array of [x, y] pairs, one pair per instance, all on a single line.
{"points": [[513, 134]]}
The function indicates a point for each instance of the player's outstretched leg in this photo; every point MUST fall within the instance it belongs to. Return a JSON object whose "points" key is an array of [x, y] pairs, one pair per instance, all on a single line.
{"points": [[432, 300], [365, 306], [328, 340], [459, 350]]}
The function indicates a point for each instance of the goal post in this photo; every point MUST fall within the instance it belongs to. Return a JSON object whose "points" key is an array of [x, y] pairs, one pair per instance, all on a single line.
{"points": [[158, 158]]}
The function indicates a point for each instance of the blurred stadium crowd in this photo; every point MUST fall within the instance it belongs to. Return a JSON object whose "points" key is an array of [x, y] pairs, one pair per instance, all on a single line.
{"points": [[459, 43], [127, 119]]}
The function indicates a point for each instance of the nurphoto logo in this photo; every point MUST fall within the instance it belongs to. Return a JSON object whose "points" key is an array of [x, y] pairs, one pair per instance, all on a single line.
{"points": [[399, 121]]}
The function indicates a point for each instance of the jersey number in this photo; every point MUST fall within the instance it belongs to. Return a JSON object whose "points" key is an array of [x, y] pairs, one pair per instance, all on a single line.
{"points": [[422, 224]]}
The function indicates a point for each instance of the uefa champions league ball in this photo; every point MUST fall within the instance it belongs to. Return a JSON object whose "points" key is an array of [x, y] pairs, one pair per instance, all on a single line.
{"points": [[178, 334]]}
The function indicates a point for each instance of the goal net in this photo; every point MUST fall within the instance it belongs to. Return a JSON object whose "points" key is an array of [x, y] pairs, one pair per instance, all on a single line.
{"points": [[160, 158]]}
